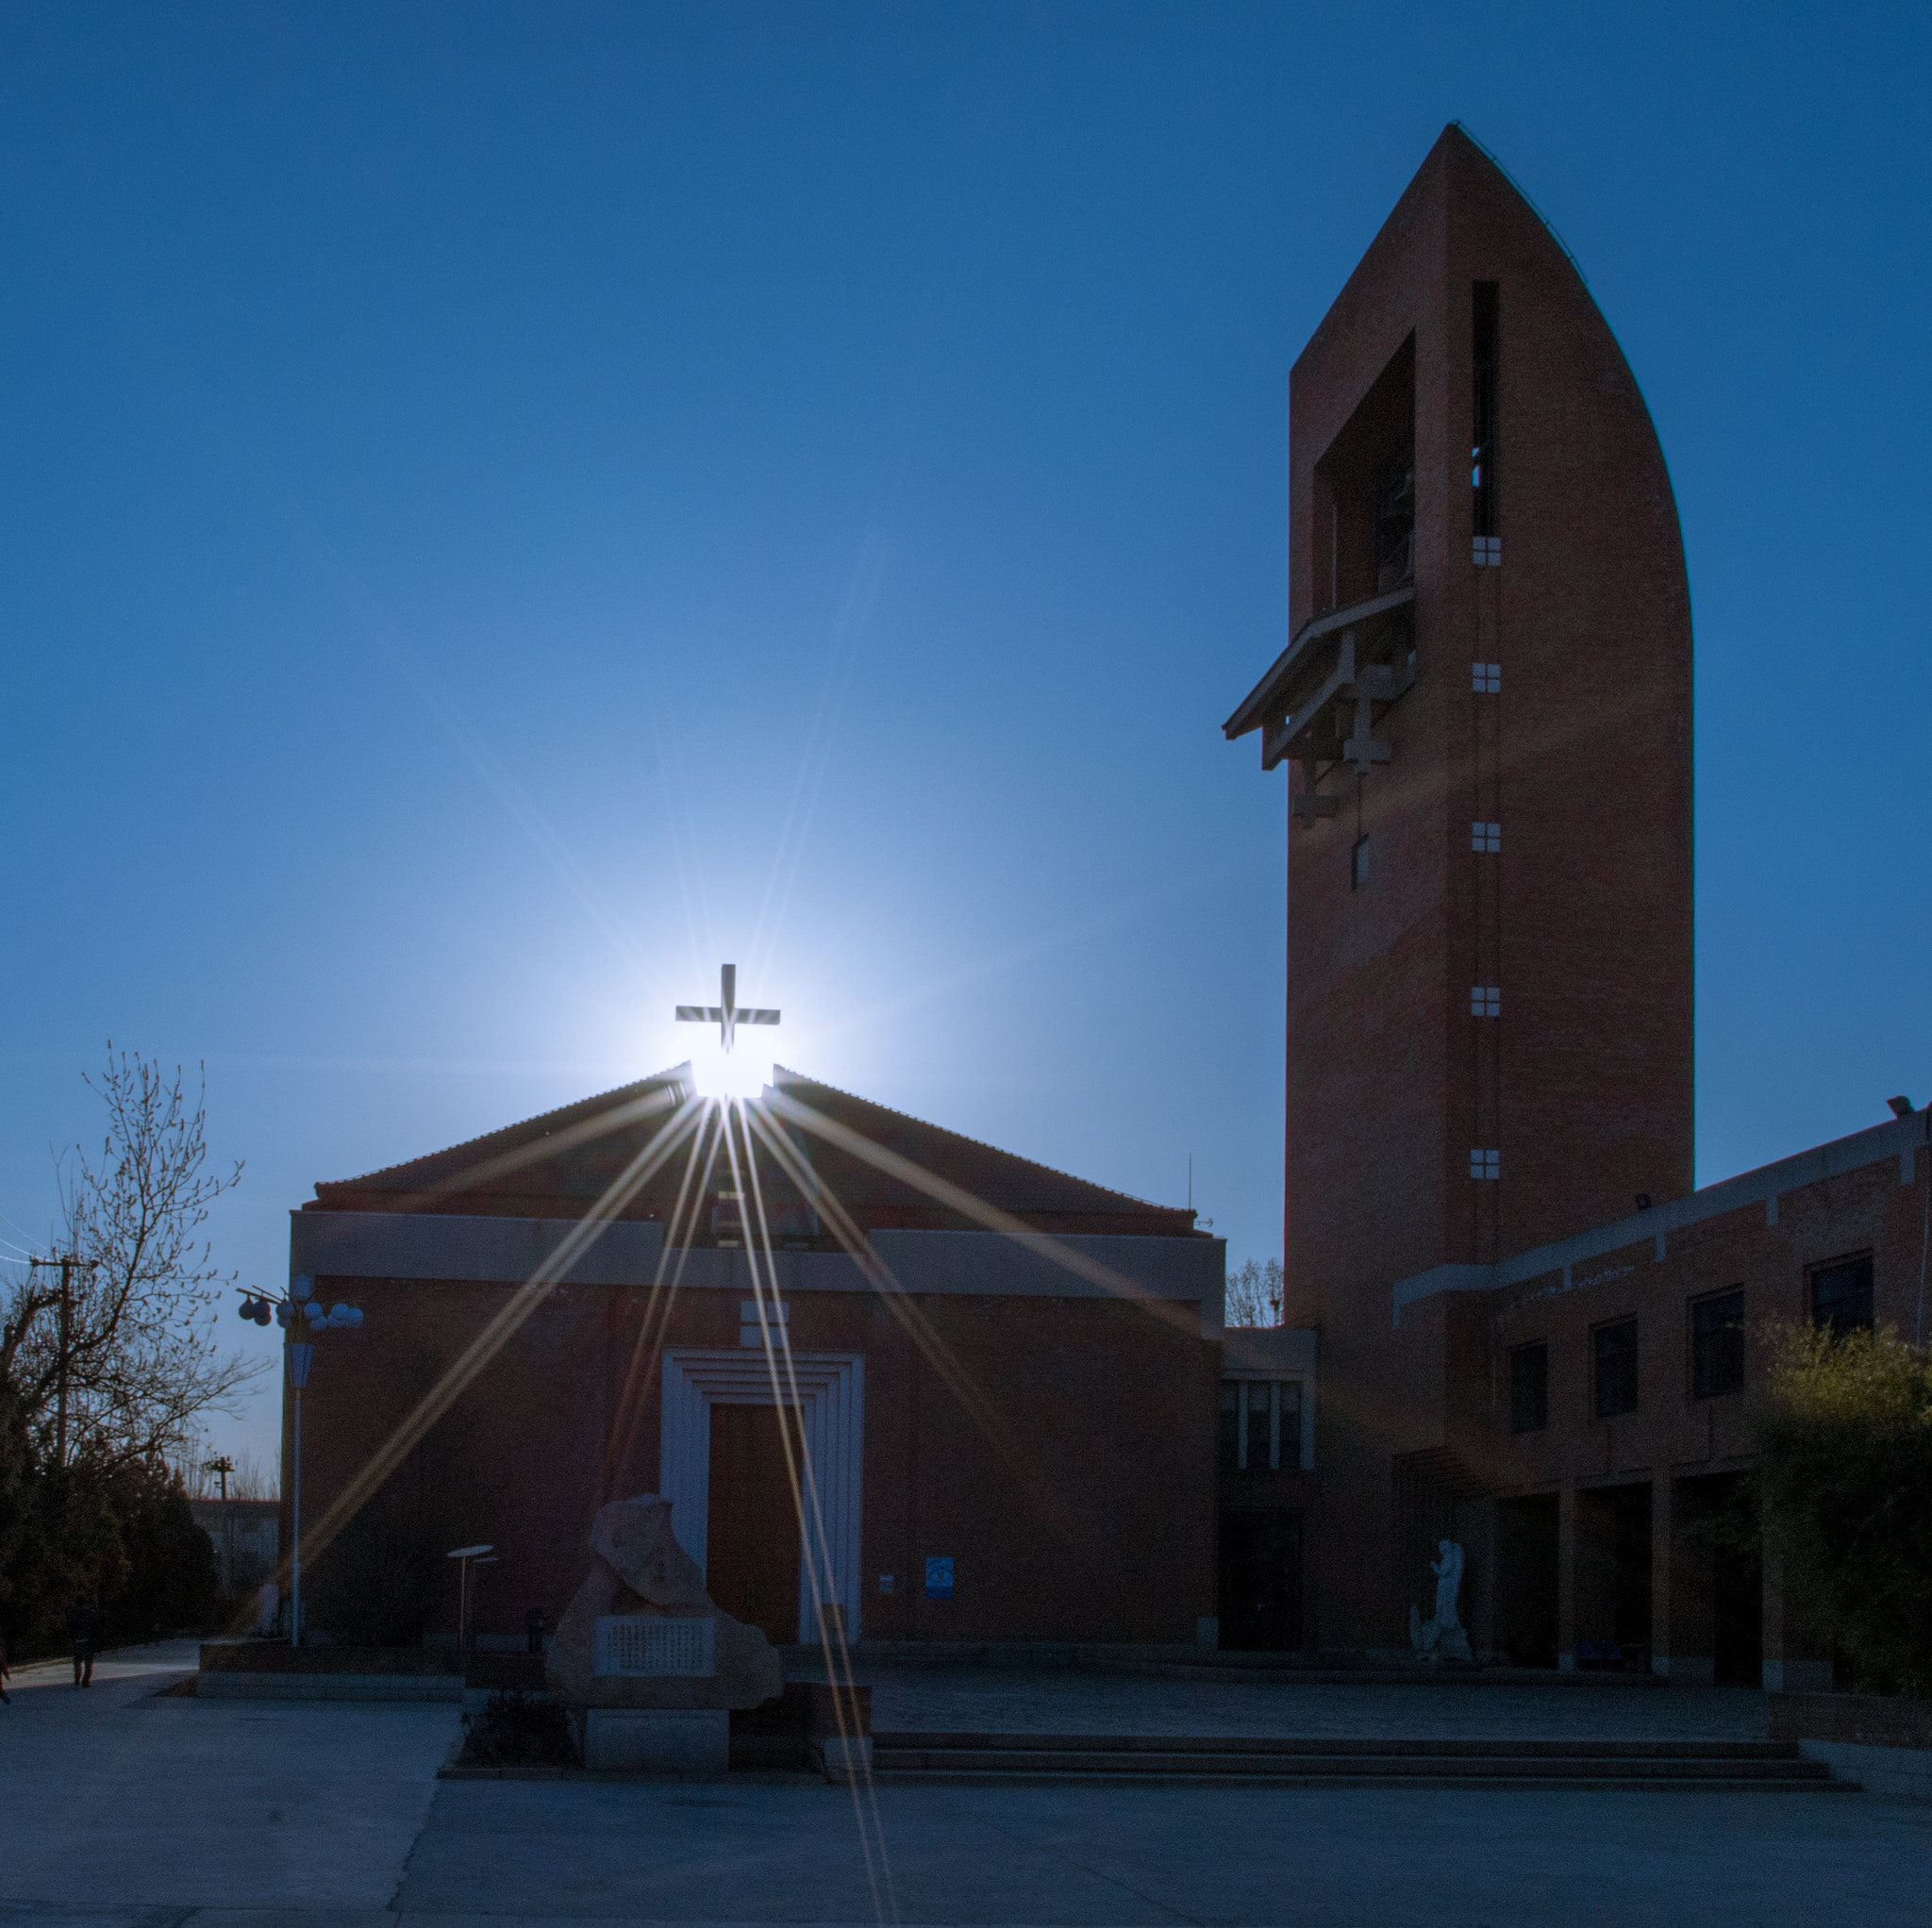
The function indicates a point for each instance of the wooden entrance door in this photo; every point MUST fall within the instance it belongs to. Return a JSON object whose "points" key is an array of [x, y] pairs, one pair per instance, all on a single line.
{"points": [[751, 1539]]}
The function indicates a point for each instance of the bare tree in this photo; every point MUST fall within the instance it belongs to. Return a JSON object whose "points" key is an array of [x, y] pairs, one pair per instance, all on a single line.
{"points": [[1254, 1293], [133, 1358]]}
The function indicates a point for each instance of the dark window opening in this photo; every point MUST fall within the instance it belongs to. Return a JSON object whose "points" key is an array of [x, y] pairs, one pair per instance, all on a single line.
{"points": [[1529, 1388], [1364, 503], [1616, 1368], [1841, 1297], [1255, 1457], [1482, 459], [1260, 1426], [1359, 864], [1230, 1425], [1288, 1455], [1717, 1345]]}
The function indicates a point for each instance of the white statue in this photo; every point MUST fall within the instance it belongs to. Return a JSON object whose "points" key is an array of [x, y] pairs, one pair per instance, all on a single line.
{"points": [[1448, 1572], [1441, 1637]]}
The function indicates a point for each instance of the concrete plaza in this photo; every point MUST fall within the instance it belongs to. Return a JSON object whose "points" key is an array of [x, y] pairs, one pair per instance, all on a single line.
{"points": [[125, 1808]]}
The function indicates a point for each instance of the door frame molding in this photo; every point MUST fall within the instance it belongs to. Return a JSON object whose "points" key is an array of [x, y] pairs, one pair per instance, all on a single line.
{"points": [[831, 1399]]}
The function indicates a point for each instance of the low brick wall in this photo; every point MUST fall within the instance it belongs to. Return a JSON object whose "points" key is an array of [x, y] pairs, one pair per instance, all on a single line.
{"points": [[1883, 1744], [255, 1684], [1865, 1719], [277, 1656], [272, 1669]]}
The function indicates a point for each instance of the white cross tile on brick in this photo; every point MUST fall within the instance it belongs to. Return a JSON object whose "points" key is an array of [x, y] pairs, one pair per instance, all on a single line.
{"points": [[1486, 679], [1486, 837], [1484, 1001], [1485, 1164]]}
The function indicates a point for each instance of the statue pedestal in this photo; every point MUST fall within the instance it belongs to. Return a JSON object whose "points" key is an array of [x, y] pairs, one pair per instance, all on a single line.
{"points": [[691, 1744]]}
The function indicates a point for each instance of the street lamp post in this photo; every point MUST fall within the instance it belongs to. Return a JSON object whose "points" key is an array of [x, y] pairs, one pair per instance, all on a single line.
{"points": [[301, 1316], [483, 1555]]}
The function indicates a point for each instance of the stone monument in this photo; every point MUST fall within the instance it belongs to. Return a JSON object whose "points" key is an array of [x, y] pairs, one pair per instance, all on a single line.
{"points": [[1441, 1637], [648, 1665]]}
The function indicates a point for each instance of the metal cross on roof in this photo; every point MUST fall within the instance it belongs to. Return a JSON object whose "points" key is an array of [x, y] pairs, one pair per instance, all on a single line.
{"points": [[728, 1014]]}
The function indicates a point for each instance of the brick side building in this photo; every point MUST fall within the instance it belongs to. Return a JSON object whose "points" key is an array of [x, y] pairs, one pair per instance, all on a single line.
{"points": [[1533, 1337]]}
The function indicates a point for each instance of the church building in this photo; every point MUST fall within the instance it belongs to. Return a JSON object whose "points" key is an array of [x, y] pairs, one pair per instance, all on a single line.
{"points": [[899, 1383], [988, 1389]]}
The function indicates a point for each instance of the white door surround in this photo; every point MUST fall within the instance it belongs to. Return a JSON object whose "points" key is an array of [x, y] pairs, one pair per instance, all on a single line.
{"points": [[831, 1397]]}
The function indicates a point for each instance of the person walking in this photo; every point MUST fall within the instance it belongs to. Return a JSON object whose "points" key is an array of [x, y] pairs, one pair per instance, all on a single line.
{"points": [[82, 1624]]}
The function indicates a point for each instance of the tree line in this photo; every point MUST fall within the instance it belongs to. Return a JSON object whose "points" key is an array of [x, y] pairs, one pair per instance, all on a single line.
{"points": [[107, 1364]]}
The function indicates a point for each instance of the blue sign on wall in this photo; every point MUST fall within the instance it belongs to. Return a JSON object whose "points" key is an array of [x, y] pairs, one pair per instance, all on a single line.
{"points": [[939, 1578]]}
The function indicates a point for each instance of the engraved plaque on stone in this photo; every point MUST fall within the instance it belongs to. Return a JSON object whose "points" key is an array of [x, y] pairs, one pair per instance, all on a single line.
{"points": [[652, 1648]]}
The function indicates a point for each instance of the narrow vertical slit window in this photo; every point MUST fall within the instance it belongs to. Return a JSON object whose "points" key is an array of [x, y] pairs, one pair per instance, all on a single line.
{"points": [[1255, 1458], [1359, 864], [1230, 1425], [1529, 1388], [1482, 456], [1717, 1345], [1288, 1392], [1615, 1349]]}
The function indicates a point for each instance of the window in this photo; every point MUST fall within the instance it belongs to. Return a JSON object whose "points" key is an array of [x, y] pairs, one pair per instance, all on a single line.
{"points": [[1487, 552], [1486, 679], [1260, 1426], [1485, 1164], [1484, 330], [1841, 1296], [1486, 837], [1484, 1001], [1717, 1345], [1359, 864], [1616, 1368], [1529, 1388]]}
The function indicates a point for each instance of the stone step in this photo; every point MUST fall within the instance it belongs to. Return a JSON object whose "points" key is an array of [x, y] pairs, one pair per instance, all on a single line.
{"points": [[1248, 1760], [1338, 1766], [1498, 1748], [1326, 1778]]}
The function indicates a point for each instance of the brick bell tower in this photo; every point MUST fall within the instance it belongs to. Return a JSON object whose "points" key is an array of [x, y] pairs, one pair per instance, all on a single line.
{"points": [[1485, 706]]}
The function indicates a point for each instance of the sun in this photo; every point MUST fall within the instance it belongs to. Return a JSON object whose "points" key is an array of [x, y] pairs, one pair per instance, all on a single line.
{"points": [[729, 1074]]}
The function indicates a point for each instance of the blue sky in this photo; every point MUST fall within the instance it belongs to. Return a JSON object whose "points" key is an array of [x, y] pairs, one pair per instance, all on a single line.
{"points": [[505, 508]]}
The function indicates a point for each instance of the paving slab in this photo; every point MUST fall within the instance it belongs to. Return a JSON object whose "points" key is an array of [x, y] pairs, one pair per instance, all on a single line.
{"points": [[770, 1853], [115, 1795], [119, 1809]]}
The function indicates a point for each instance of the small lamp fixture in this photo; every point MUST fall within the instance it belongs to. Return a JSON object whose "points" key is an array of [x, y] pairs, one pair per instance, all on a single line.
{"points": [[1901, 1107]]}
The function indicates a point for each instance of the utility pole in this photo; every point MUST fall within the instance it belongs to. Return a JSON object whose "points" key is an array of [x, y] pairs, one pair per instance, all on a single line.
{"points": [[222, 1468], [69, 1266]]}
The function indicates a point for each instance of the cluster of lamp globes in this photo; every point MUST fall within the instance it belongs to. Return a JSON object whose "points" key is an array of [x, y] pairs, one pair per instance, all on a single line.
{"points": [[298, 1306]]}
